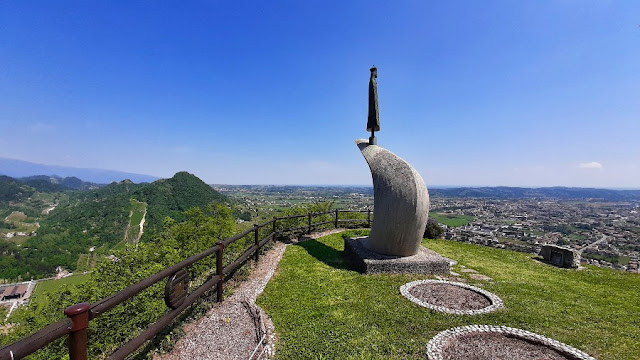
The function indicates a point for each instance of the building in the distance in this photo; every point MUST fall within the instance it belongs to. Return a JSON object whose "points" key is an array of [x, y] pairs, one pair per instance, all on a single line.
{"points": [[13, 292]]}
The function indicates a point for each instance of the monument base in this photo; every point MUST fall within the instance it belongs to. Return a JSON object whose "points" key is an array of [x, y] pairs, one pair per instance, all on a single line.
{"points": [[370, 262]]}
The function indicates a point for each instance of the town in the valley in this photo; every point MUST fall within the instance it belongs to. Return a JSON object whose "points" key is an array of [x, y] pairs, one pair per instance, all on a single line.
{"points": [[604, 233]]}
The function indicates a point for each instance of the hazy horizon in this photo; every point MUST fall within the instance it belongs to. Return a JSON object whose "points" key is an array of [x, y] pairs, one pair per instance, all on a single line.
{"points": [[433, 186]]}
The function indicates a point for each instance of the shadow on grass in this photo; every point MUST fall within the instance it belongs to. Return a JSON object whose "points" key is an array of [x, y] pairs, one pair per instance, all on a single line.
{"points": [[325, 254]]}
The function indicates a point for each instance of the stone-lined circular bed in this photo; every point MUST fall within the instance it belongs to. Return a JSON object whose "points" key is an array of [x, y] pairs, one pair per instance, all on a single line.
{"points": [[451, 297], [484, 342]]}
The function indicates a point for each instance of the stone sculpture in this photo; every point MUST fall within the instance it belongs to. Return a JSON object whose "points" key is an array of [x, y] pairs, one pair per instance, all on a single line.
{"points": [[401, 203], [401, 208]]}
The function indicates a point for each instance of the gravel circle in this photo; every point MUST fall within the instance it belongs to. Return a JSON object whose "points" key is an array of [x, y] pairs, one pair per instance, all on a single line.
{"points": [[484, 342], [451, 297]]}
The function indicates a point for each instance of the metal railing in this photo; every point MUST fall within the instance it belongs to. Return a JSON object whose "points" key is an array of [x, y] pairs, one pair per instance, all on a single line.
{"points": [[177, 297]]}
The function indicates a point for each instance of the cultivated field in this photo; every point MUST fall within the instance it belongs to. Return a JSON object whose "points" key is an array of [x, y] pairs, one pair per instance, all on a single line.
{"points": [[453, 220]]}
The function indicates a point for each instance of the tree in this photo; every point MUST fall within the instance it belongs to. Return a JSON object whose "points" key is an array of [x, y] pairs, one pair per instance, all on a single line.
{"points": [[433, 230]]}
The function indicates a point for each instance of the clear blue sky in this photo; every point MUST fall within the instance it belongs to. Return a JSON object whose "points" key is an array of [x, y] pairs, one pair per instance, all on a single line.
{"points": [[519, 93]]}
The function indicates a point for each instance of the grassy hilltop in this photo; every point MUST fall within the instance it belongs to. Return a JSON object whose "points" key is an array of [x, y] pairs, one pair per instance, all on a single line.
{"points": [[323, 310]]}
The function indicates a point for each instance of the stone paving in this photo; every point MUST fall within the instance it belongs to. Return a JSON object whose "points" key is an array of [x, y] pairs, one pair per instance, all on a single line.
{"points": [[476, 276]]}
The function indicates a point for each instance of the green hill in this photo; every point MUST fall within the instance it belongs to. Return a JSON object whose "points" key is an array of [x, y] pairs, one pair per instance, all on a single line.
{"points": [[92, 222], [171, 197], [87, 219], [13, 190]]}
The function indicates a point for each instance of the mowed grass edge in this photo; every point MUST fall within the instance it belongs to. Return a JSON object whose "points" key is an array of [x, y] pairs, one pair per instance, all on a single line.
{"points": [[323, 310]]}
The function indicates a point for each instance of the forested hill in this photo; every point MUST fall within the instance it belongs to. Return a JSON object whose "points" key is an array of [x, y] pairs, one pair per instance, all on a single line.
{"points": [[56, 183], [171, 197], [563, 193], [90, 223], [13, 190]]}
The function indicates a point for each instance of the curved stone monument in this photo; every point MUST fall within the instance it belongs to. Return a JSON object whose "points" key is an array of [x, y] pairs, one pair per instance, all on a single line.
{"points": [[401, 203], [401, 208]]}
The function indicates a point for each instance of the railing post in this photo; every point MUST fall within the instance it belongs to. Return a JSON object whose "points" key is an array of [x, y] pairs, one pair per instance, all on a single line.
{"points": [[336, 222], [79, 314], [256, 238], [274, 228], [219, 271], [309, 222], [369, 217]]}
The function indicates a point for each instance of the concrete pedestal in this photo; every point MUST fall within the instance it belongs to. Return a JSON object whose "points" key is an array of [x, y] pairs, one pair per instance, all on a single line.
{"points": [[367, 261]]}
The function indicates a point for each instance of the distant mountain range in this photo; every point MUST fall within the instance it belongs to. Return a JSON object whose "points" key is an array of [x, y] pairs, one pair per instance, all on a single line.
{"points": [[52, 183], [495, 192], [563, 193], [20, 189], [20, 169]]}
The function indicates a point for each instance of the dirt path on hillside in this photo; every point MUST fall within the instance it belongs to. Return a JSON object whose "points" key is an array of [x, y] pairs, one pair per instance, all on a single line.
{"points": [[141, 226]]}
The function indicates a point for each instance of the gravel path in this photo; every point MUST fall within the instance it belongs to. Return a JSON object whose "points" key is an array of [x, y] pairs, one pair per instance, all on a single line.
{"points": [[450, 296], [229, 331]]}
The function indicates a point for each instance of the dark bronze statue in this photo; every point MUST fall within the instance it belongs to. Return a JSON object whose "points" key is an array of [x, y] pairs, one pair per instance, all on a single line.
{"points": [[373, 121]]}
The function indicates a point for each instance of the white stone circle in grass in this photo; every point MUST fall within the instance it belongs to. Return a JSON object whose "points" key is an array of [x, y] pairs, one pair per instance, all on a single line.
{"points": [[435, 347], [494, 300]]}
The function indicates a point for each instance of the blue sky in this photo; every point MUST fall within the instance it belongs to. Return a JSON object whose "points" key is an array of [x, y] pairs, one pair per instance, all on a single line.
{"points": [[535, 93]]}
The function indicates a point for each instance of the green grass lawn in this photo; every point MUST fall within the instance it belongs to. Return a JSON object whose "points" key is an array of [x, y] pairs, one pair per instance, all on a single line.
{"points": [[452, 220], [323, 310], [53, 285]]}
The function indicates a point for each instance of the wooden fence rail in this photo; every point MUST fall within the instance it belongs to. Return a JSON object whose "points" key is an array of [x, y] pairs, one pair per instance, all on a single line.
{"points": [[177, 297]]}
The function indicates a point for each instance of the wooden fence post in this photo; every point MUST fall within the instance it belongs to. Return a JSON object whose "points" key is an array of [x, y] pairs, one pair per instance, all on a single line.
{"points": [[369, 217], [309, 217], [336, 222], [256, 238], [274, 228], [79, 314], [219, 269]]}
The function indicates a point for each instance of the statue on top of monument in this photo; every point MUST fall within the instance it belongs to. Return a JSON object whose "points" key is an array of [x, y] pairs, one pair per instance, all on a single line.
{"points": [[373, 121]]}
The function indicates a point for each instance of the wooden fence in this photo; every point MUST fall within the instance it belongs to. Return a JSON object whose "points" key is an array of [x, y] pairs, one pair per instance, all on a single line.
{"points": [[176, 296]]}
